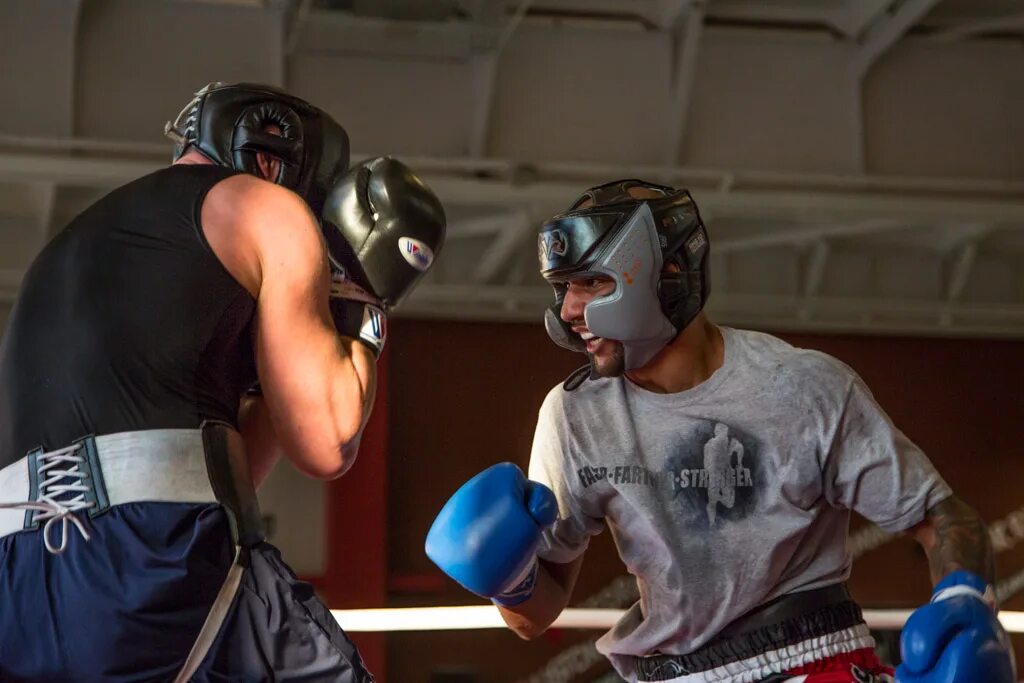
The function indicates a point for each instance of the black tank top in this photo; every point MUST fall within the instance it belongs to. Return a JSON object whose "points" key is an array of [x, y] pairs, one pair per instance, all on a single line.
{"points": [[126, 321]]}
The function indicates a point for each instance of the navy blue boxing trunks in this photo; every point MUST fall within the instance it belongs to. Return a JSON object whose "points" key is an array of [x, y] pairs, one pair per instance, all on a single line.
{"points": [[131, 595]]}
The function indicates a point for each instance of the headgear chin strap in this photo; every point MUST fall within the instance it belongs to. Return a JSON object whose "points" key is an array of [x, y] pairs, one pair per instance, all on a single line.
{"points": [[630, 240], [227, 124]]}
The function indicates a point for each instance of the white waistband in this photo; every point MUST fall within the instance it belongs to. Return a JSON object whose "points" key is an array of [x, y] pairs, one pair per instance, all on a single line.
{"points": [[166, 465], [775, 661]]}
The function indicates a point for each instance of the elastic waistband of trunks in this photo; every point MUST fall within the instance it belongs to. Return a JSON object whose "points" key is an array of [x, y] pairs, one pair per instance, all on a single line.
{"points": [[750, 644], [92, 474]]}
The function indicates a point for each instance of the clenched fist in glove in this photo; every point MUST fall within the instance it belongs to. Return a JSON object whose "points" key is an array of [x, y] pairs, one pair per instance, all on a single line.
{"points": [[956, 638], [384, 228], [486, 535]]}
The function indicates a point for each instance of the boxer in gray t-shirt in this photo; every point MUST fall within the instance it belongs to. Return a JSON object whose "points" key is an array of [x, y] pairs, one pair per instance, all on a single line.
{"points": [[726, 463], [727, 495]]}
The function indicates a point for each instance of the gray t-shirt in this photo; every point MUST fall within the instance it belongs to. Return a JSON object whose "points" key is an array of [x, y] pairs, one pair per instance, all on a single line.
{"points": [[729, 494]]}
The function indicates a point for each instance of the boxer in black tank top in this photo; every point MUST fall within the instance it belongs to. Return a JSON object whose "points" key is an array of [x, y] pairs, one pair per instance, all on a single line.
{"points": [[127, 321], [140, 326]]}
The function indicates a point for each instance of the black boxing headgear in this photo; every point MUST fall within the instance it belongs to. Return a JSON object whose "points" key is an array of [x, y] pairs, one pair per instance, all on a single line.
{"points": [[612, 232], [227, 124]]}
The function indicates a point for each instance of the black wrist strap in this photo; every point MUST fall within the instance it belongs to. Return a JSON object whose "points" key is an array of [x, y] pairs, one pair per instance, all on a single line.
{"points": [[361, 321]]}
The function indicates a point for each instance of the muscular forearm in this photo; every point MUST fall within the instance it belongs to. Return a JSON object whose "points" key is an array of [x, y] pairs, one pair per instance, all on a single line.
{"points": [[364, 381], [550, 596], [261, 444], [954, 537], [361, 385]]}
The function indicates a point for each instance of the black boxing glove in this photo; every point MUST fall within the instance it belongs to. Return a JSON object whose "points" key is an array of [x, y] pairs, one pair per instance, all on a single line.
{"points": [[384, 228]]}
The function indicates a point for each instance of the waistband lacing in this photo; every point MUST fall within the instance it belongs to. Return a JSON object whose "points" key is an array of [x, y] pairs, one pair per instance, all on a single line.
{"points": [[64, 465]]}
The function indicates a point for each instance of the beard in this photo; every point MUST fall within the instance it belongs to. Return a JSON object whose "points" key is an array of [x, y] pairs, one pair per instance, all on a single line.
{"points": [[609, 364]]}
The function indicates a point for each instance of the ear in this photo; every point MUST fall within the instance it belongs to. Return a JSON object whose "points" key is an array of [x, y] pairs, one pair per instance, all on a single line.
{"points": [[268, 166], [274, 131]]}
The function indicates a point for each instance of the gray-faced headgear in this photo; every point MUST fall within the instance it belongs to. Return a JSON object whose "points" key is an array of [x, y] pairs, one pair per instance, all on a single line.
{"points": [[227, 124], [631, 241]]}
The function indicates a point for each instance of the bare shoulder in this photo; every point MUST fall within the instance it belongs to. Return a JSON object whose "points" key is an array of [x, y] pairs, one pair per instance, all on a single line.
{"points": [[270, 215], [243, 198], [252, 225]]}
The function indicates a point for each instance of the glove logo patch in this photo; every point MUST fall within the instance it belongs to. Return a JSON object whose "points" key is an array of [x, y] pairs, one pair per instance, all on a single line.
{"points": [[418, 254]]}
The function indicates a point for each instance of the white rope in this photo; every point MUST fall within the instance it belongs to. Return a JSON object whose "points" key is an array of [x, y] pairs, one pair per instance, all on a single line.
{"points": [[487, 616]]}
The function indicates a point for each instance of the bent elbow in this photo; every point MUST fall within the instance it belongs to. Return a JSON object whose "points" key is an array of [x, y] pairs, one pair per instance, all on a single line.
{"points": [[529, 631], [345, 457], [524, 627], [324, 471], [334, 453], [330, 463], [333, 472]]}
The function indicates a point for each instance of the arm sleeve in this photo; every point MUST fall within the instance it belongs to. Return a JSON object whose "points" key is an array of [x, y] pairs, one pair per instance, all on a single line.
{"points": [[874, 469], [551, 464]]}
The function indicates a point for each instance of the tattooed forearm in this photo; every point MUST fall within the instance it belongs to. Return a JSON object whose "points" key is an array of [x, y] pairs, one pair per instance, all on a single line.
{"points": [[954, 537]]}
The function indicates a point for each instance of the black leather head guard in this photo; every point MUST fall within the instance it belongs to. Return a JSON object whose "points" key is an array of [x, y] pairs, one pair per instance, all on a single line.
{"points": [[227, 124]]}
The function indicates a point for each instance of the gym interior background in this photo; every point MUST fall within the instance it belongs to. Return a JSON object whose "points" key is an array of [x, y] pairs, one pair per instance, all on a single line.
{"points": [[860, 164]]}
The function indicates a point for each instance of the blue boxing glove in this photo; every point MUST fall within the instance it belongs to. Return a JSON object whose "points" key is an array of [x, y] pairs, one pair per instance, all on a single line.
{"points": [[956, 638], [486, 535]]}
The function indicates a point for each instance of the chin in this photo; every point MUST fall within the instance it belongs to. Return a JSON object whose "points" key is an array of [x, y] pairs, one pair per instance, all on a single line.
{"points": [[611, 365]]}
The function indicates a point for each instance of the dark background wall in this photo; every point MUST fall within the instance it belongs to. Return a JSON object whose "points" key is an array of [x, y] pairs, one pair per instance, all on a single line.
{"points": [[465, 395]]}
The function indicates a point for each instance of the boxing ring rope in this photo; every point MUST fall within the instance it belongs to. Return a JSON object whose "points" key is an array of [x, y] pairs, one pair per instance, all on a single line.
{"points": [[487, 616]]}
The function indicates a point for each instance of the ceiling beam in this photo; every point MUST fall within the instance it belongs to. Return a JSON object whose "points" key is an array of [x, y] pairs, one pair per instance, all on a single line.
{"points": [[858, 15], [767, 311], [484, 69], [43, 197], [769, 304], [814, 235], [72, 83], [484, 66], [518, 171], [685, 49], [885, 33], [510, 242], [669, 15], [295, 17], [333, 32], [590, 8], [82, 171], [489, 225], [814, 270], [778, 11], [804, 205], [960, 270], [1005, 22]]}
